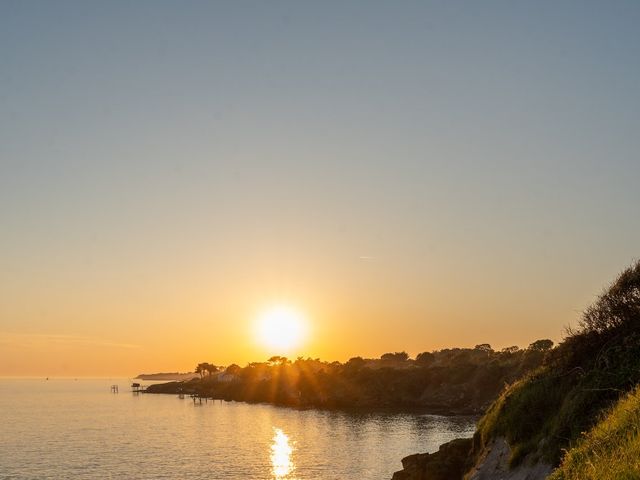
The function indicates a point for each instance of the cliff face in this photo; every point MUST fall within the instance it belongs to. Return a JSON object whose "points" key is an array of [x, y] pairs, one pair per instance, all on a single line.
{"points": [[493, 463], [456, 461]]}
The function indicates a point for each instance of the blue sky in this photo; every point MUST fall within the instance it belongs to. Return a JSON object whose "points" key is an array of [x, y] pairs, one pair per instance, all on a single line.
{"points": [[168, 159]]}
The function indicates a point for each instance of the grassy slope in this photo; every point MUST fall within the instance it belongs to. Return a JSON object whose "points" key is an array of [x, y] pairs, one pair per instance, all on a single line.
{"points": [[611, 450], [545, 413]]}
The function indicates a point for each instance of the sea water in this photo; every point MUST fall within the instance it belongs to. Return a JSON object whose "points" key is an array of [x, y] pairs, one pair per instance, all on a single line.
{"points": [[78, 429]]}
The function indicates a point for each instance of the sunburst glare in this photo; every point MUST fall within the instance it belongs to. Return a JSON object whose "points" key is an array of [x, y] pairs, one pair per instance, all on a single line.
{"points": [[281, 329]]}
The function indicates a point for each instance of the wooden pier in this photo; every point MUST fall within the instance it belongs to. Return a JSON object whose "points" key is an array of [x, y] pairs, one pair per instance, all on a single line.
{"points": [[195, 397], [137, 388]]}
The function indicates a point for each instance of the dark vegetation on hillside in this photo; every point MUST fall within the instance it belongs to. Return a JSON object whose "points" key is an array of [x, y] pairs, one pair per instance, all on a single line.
{"points": [[547, 411], [165, 376], [459, 380]]}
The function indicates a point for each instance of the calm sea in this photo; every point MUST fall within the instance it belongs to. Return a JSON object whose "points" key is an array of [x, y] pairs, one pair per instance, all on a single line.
{"points": [[78, 429]]}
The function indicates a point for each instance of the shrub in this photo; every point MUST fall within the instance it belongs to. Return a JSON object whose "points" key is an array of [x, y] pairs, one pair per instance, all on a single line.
{"points": [[546, 412]]}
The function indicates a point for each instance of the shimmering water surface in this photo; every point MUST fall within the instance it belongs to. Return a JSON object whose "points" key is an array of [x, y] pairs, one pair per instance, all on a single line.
{"points": [[78, 429]]}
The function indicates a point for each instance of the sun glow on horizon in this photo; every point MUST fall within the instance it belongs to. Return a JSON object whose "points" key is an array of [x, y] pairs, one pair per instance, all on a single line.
{"points": [[281, 329]]}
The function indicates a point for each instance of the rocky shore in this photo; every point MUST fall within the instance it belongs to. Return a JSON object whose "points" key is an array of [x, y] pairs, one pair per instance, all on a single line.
{"points": [[451, 461], [574, 418], [458, 459]]}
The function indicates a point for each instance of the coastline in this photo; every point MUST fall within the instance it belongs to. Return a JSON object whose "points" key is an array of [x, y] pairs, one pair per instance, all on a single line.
{"points": [[177, 388]]}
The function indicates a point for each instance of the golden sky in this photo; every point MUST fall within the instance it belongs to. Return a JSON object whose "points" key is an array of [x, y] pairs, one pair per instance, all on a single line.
{"points": [[409, 177]]}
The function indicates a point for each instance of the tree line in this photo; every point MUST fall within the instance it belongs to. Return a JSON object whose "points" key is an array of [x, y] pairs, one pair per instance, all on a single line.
{"points": [[455, 380]]}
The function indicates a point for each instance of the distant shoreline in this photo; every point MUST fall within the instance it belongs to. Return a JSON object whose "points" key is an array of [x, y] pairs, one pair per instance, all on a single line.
{"points": [[173, 376], [435, 410], [459, 381]]}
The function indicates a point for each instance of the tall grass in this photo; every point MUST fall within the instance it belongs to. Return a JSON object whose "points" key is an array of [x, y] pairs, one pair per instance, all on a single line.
{"points": [[611, 450], [546, 412]]}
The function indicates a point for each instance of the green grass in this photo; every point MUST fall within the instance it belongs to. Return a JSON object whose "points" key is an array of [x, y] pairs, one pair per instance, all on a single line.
{"points": [[611, 450], [546, 413], [531, 415]]}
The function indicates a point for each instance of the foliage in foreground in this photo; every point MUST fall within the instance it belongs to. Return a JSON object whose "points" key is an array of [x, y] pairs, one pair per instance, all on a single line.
{"points": [[611, 450], [546, 412]]}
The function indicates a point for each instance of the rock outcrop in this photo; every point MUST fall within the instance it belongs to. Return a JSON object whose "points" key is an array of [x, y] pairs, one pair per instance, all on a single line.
{"points": [[493, 464], [450, 462], [455, 461]]}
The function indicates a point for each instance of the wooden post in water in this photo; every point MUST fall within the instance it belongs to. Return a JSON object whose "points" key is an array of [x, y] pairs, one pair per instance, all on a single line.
{"points": [[199, 397], [137, 388], [114, 388]]}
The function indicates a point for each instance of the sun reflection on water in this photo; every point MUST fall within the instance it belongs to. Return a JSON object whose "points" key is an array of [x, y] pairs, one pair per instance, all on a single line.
{"points": [[281, 450]]}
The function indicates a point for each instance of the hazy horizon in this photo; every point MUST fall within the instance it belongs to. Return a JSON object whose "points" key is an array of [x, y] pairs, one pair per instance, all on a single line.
{"points": [[409, 176]]}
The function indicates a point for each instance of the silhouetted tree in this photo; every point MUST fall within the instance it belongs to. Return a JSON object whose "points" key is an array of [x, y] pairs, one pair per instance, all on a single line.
{"points": [[541, 345], [355, 362], [395, 357], [425, 358], [484, 347], [233, 369], [510, 350], [278, 360], [618, 306], [201, 368]]}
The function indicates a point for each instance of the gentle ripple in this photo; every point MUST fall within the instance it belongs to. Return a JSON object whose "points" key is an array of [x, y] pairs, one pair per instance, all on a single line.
{"points": [[78, 429]]}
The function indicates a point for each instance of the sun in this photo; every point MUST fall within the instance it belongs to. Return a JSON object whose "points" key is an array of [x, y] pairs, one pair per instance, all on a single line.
{"points": [[281, 329]]}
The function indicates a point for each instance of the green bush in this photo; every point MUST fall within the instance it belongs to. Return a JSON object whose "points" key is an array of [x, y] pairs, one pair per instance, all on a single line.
{"points": [[546, 412]]}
